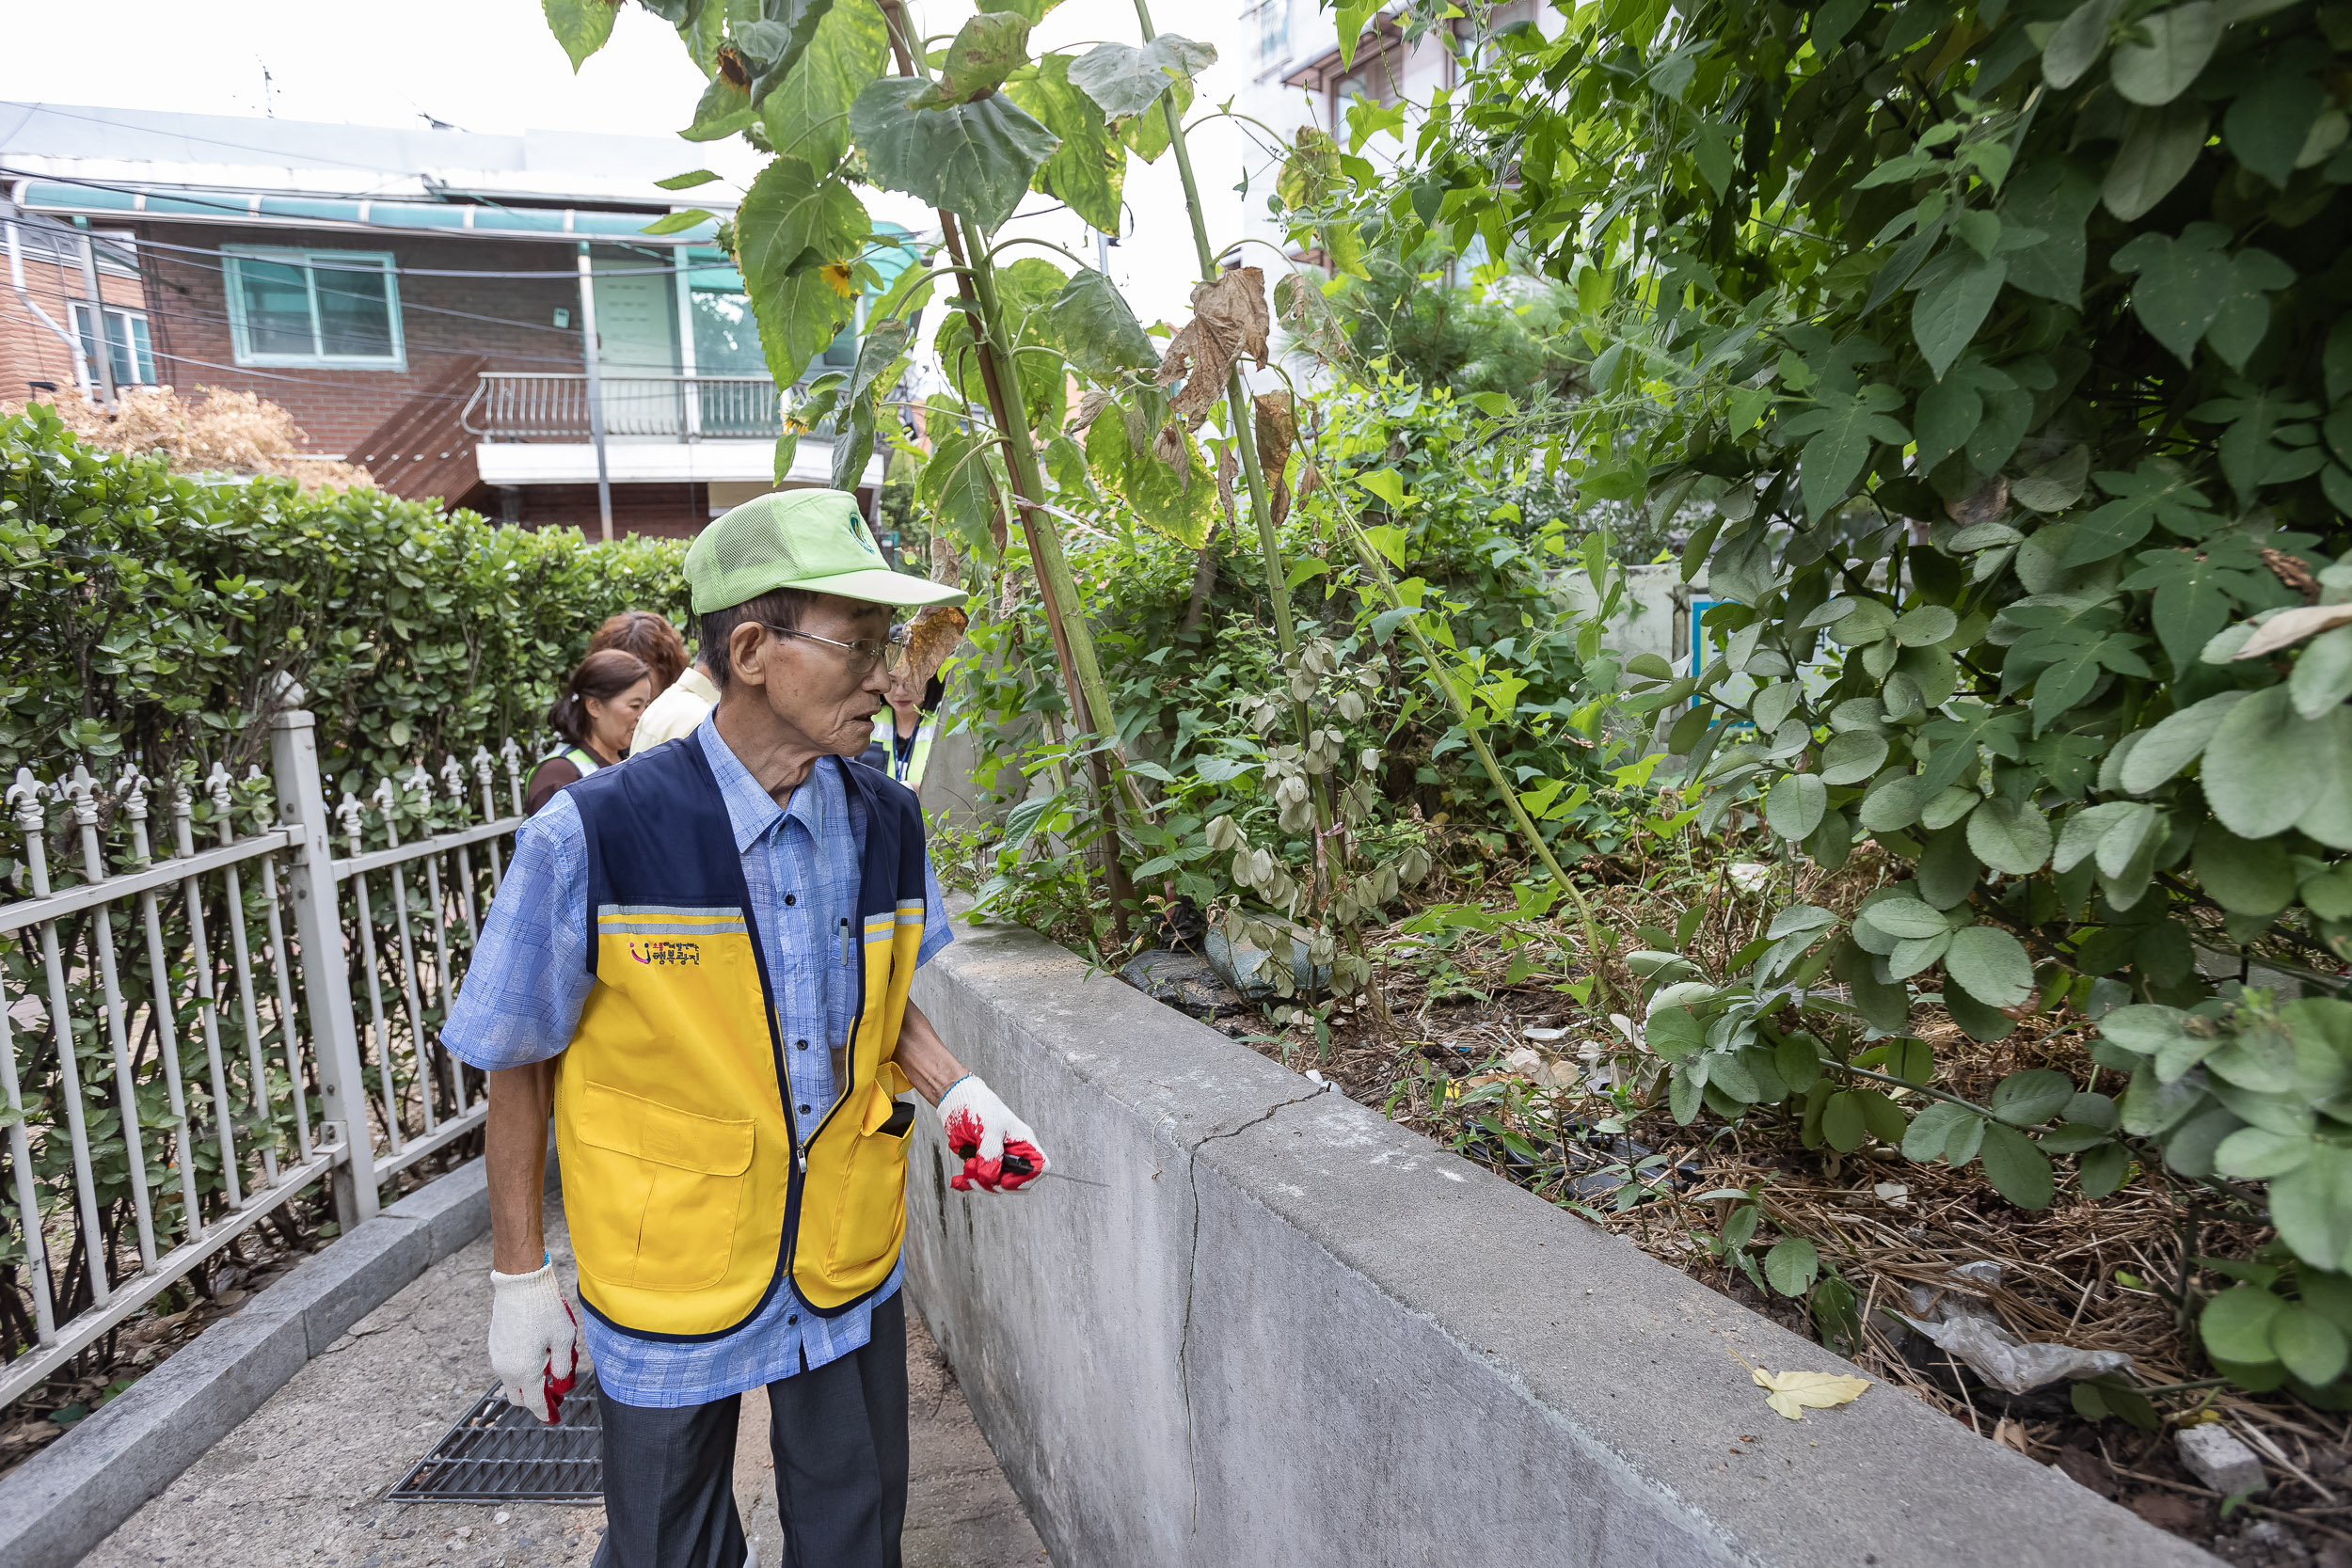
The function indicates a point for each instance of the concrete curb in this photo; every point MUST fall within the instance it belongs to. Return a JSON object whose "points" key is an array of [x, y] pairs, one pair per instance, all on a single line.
{"points": [[69, 1496], [1287, 1332]]}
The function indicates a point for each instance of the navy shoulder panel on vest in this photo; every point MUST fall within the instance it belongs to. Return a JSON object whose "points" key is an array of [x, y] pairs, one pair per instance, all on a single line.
{"points": [[656, 833], [894, 838]]}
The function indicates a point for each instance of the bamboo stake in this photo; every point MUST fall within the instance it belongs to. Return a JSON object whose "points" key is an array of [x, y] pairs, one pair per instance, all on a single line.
{"points": [[1245, 435], [1472, 730]]}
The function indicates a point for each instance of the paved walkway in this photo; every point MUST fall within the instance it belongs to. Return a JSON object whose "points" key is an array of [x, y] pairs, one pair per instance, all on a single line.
{"points": [[301, 1483]]}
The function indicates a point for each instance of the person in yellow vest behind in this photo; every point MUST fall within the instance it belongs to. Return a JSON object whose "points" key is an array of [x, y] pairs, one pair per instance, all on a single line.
{"points": [[903, 731], [908, 721], [596, 716], [698, 964]]}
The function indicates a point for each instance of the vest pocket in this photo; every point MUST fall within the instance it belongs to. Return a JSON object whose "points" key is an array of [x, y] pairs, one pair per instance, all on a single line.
{"points": [[660, 1188], [871, 1218]]}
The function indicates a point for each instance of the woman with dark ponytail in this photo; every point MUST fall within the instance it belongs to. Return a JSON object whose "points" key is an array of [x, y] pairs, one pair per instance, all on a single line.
{"points": [[595, 714]]}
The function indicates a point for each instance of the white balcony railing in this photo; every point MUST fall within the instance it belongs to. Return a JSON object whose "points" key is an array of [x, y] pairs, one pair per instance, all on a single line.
{"points": [[542, 406]]}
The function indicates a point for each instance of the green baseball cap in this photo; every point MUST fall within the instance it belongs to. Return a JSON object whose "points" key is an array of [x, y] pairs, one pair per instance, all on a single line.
{"points": [[812, 540]]}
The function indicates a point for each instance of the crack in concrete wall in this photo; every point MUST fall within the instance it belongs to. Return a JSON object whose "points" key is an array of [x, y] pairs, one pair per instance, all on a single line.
{"points": [[1192, 1275]]}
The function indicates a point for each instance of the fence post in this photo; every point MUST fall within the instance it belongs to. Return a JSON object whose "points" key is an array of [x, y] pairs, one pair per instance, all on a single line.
{"points": [[326, 971]]}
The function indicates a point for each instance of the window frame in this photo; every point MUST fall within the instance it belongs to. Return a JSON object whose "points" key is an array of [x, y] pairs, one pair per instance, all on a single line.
{"points": [[241, 338], [1272, 29], [123, 260], [77, 313]]}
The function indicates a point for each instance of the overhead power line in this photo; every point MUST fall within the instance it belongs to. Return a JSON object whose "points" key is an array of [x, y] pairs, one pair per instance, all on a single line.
{"points": [[274, 152], [348, 225], [909, 243]]}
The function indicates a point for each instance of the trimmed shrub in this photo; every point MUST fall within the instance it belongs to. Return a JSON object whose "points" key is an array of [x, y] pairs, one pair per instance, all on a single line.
{"points": [[144, 614]]}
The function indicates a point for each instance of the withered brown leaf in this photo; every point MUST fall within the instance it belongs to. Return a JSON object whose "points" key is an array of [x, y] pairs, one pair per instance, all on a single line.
{"points": [[1093, 402], [1315, 324], [1278, 431], [936, 630], [1169, 446], [1984, 504], [1229, 320]]}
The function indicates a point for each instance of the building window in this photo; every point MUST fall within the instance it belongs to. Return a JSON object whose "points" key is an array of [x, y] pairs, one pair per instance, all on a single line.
{"points": [[727, 339], [115, 252], [127, 349], [841, 354], [1270, 21], [314, 307]]}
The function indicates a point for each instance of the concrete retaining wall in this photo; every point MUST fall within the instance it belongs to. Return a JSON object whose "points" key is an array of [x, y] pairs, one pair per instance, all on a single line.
{"points": [[1288, 1332]]}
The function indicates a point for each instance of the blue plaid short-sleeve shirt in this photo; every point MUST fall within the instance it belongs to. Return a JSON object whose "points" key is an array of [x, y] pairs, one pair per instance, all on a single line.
{"points": [[523, 993]]}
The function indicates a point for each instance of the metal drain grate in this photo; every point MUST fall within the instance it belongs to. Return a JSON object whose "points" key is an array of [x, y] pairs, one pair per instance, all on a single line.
{"points": [[498, 1453]]}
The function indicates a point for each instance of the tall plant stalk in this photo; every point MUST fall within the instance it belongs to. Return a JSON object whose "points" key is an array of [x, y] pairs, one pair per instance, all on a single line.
{"points": [[1065, 617], [1473, 732], [1245, 436]]}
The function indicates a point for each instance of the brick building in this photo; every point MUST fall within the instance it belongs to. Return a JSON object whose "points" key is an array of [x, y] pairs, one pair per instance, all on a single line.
{"points": [[414, 298]]}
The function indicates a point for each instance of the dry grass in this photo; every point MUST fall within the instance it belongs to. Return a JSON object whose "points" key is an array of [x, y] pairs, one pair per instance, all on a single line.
{"points": [[222, 432]]}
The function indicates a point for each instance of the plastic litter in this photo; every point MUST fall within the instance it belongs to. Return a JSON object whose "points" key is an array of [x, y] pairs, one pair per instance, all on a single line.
{"points": [[1966, 1327], [1532, 1065], [1243, 964], [1189, 984]]}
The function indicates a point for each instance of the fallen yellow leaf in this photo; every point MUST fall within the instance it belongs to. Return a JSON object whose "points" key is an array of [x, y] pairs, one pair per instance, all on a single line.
{"points": [[1793, 1393]]}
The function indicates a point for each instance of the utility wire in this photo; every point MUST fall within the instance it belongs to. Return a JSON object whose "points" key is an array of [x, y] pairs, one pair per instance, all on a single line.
{"points": [[331, 376], [182, 312], [908, 243], [431, 180], [32, 108], [191, 258], [197, 257], [63, 260], [172, 310], [346, 224]]}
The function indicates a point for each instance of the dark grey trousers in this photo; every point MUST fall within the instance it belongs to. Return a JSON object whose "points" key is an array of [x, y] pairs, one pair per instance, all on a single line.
{"points": [[839, 1437]]}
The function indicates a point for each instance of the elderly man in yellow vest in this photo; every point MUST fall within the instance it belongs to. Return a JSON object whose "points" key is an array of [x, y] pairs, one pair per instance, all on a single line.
{"points": [[698, 965]]}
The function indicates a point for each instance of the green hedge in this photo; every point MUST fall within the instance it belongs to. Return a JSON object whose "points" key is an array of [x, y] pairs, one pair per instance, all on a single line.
{"points": [[147, 615]]}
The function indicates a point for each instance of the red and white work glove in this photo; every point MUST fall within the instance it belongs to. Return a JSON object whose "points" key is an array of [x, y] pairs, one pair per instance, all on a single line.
{"points": [[999, 1150], [532, 1335]]}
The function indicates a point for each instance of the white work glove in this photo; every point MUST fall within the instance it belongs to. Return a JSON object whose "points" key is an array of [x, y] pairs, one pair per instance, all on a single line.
{"points": [[535, 1340], [999, 1150]]}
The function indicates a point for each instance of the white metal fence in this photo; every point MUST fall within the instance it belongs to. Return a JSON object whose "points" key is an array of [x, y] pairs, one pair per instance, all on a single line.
{"points": [[182, 1048]]}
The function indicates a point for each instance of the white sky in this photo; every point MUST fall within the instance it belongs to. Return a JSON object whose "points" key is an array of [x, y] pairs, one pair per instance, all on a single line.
{"points": [[491, 65]]}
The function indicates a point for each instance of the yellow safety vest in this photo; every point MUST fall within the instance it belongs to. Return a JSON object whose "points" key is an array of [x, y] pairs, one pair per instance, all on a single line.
{"points": [[689, 1193], [886, 737]]}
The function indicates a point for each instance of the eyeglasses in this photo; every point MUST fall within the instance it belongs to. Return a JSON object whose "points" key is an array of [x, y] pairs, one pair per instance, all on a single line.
{"points": [[864, 652]]}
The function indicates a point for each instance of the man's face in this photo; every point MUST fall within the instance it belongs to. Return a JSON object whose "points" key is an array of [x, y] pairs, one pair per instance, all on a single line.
{"points": [[826, 693]]}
